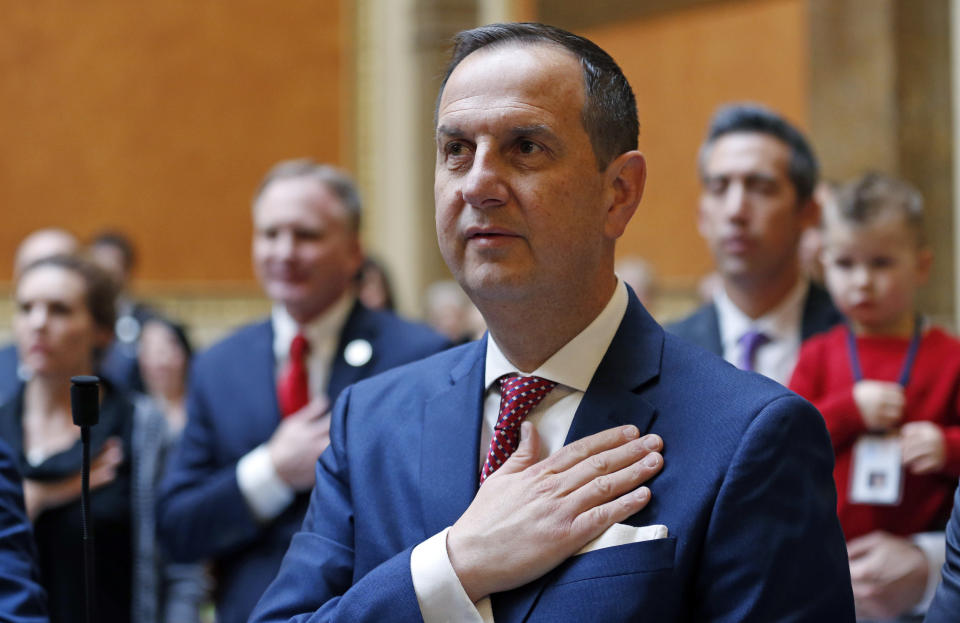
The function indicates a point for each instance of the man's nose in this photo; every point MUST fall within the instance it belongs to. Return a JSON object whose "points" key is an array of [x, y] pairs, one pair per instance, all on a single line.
{"points": [[735, 202], [38, 317], [484, 185], [284, 245]]}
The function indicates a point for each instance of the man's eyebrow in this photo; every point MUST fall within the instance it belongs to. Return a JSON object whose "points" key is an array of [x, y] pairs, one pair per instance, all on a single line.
{"points": [[448, 130], [538, 129]]}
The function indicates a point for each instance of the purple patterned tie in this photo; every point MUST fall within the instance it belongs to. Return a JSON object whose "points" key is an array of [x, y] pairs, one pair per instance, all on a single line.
{"points": [[750, 342], [518, 395]]}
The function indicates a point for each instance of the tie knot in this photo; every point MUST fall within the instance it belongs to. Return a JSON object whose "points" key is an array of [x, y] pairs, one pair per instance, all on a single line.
{"points": [[299, 347], [520, 394], [750, 342]]}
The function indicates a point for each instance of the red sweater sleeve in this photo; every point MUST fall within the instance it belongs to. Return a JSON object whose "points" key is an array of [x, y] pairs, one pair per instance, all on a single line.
{"points": [[835, 402], [951, 436]]}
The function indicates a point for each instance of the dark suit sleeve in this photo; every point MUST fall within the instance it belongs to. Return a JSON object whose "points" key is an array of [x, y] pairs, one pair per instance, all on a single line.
{"points": [[945, 607], [201, 511], [775, 550], [22, 600], [317, 579]]}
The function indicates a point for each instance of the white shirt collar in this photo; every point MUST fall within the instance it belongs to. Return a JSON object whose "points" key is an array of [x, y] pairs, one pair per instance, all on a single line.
{"points": [[576, 362], [322, 332], [780, 323]]}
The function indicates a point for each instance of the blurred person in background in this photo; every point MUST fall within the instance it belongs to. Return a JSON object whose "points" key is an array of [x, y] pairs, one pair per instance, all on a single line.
{"points": [[115, 254], [638, 273], [164, 357], [450, 311], [64, 319], [373, 285], [758, 174], [38, 244], [237, 487]]}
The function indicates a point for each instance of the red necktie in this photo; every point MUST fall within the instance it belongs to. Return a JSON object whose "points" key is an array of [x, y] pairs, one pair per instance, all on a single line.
{"points": [[293, 391], [518, 395]]}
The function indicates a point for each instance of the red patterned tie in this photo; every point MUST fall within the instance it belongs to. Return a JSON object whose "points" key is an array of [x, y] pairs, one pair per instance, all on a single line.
{"points": [[518, 395], [292, 389]]}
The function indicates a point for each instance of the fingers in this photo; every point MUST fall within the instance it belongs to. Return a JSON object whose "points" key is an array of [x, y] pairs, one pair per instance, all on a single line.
{"points": [[110, 454], [863, 545], [574, 453], [598, 518], [600, 490], [614, 462], [526, 453]]}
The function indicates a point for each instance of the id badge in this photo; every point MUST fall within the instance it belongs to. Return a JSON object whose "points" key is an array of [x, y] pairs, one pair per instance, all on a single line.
{"points": [[877, 473]]}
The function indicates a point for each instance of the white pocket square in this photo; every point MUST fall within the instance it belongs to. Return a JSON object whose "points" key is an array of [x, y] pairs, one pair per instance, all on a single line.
{"points": [[622, 534]]}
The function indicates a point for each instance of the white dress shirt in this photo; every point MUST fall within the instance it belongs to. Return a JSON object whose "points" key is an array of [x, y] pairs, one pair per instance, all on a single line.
{"points": [[265, 492], [782, 325], [439, 592]]}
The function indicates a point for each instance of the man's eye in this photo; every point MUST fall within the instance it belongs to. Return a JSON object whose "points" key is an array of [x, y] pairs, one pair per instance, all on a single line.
{"points": [[456, 148], [716, 186], [528, 147]]}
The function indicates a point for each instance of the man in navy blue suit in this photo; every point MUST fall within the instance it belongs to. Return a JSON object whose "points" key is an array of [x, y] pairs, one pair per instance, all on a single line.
{"points": [[22, 599], [758, 174], [945, 607], [430, 503], [236, 488]]}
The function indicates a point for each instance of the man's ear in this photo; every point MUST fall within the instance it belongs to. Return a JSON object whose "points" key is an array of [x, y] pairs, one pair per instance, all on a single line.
{"points": [[625, 177], [809, 213], [924, 264]]}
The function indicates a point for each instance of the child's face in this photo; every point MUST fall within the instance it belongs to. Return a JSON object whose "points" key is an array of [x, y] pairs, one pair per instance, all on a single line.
{"points": [[873, 272]]}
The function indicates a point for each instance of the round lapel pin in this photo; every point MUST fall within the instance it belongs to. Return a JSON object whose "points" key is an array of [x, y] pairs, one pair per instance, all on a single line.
{"points": [[358, 353]]}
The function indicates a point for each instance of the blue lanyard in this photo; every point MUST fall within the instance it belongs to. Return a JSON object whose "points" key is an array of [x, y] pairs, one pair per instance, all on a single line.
{"points": [[907, 363]]}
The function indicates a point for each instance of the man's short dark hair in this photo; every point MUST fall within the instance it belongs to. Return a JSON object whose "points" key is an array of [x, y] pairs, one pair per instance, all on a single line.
{"points": [[803, 167], [339, 182], [120, 242], [866, 199], [609, 114]]}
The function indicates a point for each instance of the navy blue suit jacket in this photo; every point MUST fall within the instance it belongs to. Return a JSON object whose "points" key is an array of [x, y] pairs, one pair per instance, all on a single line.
{"points": [[945, 607], [9, 372], [22, 600], [702, 327], [746, 493], [232, 408]]}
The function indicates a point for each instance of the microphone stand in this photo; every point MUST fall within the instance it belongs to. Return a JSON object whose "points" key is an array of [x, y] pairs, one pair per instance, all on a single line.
{"points": [[85, 405]]}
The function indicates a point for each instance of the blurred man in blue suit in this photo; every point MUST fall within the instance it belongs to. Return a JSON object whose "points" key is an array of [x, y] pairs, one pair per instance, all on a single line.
{"points": [[236, 487], [434, 501], [22, 599]]}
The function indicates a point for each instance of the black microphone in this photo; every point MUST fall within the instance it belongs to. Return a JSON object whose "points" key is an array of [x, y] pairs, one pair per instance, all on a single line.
{"points": [[85, 400], [85, 405]]}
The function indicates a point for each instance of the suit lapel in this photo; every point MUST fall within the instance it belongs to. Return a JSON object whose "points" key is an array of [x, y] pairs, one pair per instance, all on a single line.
{"points": [[259, 364], [612, 399], [359, 325], [449, 472]]}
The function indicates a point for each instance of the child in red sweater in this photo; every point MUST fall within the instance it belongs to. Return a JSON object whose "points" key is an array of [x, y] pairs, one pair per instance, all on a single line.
{"points": [[884, 375]]}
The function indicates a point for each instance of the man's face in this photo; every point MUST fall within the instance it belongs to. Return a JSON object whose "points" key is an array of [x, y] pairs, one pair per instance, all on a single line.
{"points": [[519, 200], [749, 214], [304, 251]]}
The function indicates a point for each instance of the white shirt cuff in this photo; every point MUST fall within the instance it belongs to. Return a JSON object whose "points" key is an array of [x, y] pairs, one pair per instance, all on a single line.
{"points": [[439, 592], [265, 492], [934, 547]]}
